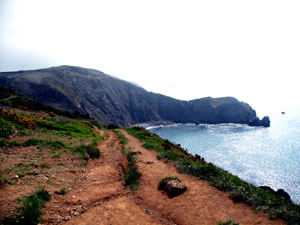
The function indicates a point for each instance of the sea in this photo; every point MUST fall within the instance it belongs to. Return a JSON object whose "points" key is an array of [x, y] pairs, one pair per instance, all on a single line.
{"points": [[258, 155]]}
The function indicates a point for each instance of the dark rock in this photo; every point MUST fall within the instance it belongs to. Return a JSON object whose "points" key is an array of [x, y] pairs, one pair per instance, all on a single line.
{"points": [[113, 101], [256, 122], [268, 189], [282, 193], [198, 157], [135, 153], [174, 188], [112, 126], [265, 121]]}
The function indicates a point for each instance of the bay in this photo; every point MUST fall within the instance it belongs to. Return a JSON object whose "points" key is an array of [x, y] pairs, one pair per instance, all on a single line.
{"points": [[261, 156]]}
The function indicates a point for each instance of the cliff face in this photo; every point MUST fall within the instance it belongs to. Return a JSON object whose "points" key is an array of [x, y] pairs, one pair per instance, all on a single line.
{"points": [[111, 100]]}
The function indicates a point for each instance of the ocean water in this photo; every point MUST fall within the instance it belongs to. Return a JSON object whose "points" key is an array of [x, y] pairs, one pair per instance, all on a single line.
{"points": [[261, 156]]}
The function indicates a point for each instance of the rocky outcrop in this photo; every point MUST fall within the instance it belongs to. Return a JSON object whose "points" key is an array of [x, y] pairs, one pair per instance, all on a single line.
{"points": [[264, 122], [174, 188], [114, 101], [279, 193]]}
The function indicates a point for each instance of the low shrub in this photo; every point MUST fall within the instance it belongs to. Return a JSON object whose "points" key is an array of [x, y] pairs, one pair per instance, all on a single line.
{"points": [[6, 128], [95, 123], [23, 119], [8, 144], [62, 191], [30, 210], [132, 177], [165, 180], [91, 150]]}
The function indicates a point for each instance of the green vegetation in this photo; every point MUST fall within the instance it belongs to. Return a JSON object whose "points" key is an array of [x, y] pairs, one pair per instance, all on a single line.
{"points": [[228, 222], [6, 180], [47, 143], [132, 177], [165, 180], [33, 142], [113, 144], [151, 141], [72, 128], [95, 123], [30, 210], [239, 190], [82, 135], [90, 149], [8, 144], [6, 128], [62, 191]]}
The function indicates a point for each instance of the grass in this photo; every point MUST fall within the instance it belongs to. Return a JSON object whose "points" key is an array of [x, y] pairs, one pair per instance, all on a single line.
{"points": [[71, 128], [95, 123], [80, 131], [90, 149], [151, 141], [6, 180], [8, 144], [113, 144], [33, 142], [6, 128], [30, 210], [239, 190], [44, 143], [132, 177]]}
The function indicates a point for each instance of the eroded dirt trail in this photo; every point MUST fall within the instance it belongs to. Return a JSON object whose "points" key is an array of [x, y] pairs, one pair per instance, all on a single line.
{"points": [[200, 204], [104, 196]]}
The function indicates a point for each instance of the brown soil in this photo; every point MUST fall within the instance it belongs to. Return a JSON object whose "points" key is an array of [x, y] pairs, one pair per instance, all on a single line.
{"points": [[104, 196], [96, 194], [200, 204]]}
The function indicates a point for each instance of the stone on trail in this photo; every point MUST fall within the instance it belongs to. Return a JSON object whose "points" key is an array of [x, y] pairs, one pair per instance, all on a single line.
{"points": [[174, 188]]}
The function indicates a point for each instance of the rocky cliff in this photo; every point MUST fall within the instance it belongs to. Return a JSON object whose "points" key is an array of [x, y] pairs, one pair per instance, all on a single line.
{"points": [[111, 100]]}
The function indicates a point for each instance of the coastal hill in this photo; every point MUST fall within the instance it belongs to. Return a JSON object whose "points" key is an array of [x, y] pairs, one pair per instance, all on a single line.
{"points": [[113, 101], [59, 170]]}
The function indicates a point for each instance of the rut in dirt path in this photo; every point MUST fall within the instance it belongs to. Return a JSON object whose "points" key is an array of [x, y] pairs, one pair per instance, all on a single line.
{"points": [[108, 199], [200, 204]]}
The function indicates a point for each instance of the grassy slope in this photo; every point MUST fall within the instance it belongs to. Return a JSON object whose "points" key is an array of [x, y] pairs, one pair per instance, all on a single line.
{"points": [[240, 191], [55, 139]]}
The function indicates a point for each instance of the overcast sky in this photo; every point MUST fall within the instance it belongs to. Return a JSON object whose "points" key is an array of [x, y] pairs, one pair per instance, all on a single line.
{"points": [[184, 49]]}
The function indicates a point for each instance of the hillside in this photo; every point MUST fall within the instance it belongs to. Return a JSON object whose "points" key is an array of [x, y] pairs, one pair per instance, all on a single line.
{"points": [[46, 177], [111, 100]]}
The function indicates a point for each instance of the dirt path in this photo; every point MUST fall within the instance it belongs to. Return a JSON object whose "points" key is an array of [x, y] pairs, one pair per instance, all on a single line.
{"points": [[104, 198], [200, 204]]}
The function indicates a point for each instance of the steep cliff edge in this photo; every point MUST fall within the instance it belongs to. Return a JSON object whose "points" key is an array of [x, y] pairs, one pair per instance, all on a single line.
{"points": [[111, 100]]}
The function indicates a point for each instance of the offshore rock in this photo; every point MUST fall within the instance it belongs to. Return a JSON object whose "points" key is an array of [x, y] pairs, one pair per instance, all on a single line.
{"points": [[265, 121], [256, 122]]}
